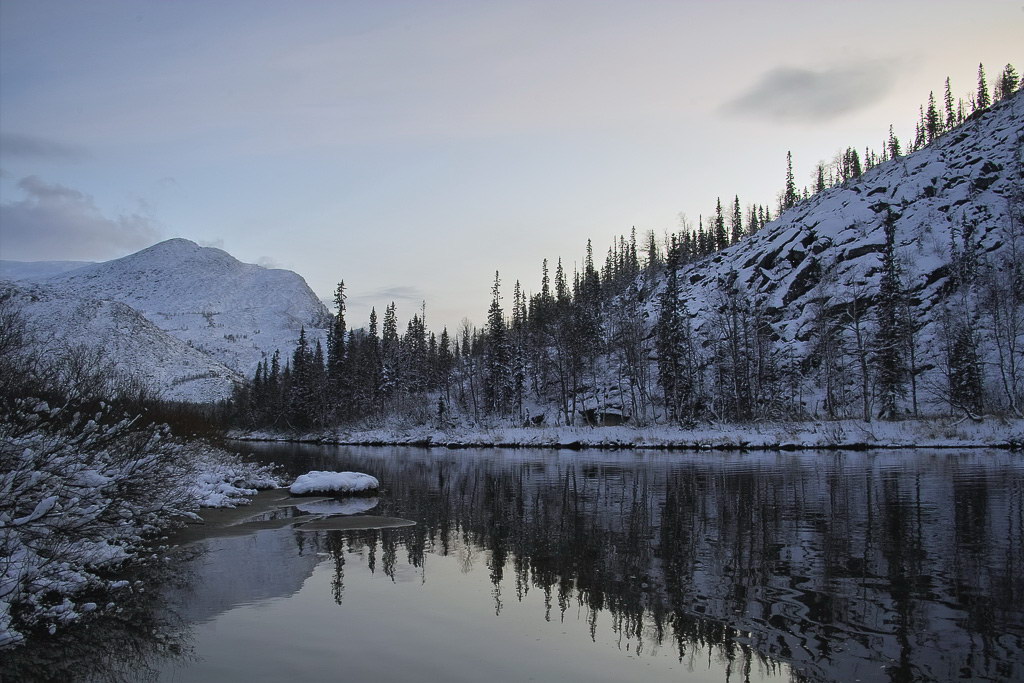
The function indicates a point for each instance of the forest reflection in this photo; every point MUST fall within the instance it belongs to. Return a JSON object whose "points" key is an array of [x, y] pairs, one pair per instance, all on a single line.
{"points": [[129, 643], [842, 566], [822, 566]]}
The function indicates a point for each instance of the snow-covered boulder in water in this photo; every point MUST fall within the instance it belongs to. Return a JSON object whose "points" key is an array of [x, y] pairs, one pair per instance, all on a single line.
{"points": [[317, 482]]}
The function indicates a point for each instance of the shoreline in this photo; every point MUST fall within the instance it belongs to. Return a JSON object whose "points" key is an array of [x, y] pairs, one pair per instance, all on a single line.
{"points": [[853, 435]]}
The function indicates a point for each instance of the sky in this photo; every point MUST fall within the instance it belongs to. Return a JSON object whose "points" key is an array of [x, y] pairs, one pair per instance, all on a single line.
{"points": [[413, 148]]}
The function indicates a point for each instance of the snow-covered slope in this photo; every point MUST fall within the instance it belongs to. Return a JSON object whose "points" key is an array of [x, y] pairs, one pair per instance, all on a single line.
{"points": [[237, 313], [59, 322], [829, 248], [35, 270]]}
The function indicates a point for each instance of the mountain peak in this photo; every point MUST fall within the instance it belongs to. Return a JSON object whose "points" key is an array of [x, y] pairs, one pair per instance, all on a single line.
{"points": [[176, 244], [236, 312], [179, 248]]}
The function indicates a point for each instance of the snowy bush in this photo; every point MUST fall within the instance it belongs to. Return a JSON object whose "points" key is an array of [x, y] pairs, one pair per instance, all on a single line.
{"points": [[79, 494], [83, 484]]}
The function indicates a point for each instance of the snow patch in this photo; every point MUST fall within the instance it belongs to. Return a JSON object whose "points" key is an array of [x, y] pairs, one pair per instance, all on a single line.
{"points": [[333, 482]]}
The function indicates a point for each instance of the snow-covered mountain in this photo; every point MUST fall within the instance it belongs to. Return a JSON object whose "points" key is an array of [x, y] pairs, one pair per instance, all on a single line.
{"points": [[237, 313], [218, 316], [36, 270], [58, 323]]}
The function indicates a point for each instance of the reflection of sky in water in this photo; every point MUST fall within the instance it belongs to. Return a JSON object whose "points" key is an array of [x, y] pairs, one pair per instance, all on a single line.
{"points": [[562, 565], [435, 624], [627, 566]]}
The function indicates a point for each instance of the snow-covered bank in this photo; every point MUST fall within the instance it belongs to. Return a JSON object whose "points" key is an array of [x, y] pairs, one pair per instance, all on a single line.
{"points": [[841, 434], [83, 495]]}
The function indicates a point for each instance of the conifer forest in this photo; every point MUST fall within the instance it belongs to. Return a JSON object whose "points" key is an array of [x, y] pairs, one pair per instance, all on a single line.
{"points": [[627, 339]]}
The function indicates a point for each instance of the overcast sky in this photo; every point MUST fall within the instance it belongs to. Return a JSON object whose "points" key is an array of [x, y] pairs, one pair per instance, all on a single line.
{"points": [[413, 148]]}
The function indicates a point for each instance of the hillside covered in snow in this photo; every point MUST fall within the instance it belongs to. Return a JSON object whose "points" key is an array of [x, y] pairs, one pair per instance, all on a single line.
{"points": [[895, 293], [188, 320], [815, 272]]}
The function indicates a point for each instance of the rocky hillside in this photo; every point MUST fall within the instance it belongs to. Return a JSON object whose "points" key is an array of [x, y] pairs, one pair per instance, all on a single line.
{"points": [[827, 250]]}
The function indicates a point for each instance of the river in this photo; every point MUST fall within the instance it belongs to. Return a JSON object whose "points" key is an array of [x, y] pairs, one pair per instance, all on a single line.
{"points": [[520, 565]]}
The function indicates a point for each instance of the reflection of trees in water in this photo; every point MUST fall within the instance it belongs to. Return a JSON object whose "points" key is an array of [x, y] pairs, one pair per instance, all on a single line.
{"points": [[841, 567], [128, 644]]}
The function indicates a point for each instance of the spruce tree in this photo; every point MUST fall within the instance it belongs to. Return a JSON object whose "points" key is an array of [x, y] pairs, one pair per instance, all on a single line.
{"points": [[951, 118], [498, 380], [301, 386], [736, 221], [653, 257], [1009, 81], [673, 346], [719, 234], [933, 122], [391, 379], [920, 133], [336, 349], [983, 100], [894, 144], [789, 195], [890, 340], [373, 368]]}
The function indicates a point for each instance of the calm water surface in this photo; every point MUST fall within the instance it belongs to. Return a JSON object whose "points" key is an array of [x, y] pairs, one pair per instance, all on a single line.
{"points": [[609, 566]]}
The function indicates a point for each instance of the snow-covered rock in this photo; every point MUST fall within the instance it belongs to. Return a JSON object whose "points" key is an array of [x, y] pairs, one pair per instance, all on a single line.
{"points": [[333, 482]]}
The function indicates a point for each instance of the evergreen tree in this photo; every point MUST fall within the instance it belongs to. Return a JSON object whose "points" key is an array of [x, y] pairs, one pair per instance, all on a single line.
{"points": [[736, 221], [301, 390], [951, 118], [719, 234], [890, 340], [819, 179], [562, 296], [752, 221], [1009, 81], [702, 238], [274, 386], [933, 120], [674, 348], [920, 133], [789, 195], [391, 375], [498, 381], [336, 350], [591, 283], [373, 367], [983, 100], [851, 164], [653, 256]]}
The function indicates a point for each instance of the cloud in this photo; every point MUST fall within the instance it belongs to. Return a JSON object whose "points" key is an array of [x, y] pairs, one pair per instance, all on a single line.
{"points": [[32, 147], [266, 262], [58, 222], [385, 295], [796, 95], [216, 244]]}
